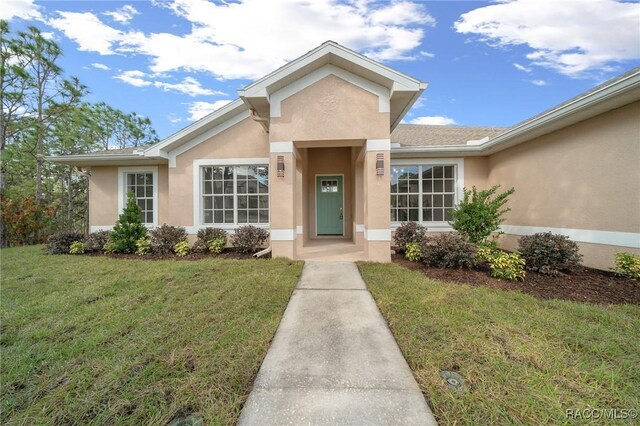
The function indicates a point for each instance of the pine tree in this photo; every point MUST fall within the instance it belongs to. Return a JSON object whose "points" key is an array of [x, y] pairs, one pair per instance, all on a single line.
{"points": [[129, 228]]}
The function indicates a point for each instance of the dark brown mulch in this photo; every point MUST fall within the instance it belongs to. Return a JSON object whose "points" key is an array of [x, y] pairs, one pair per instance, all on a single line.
{"points": [[583, 285], [227, 254]]}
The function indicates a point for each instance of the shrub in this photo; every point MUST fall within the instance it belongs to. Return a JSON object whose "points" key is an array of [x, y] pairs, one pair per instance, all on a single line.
{"points": [[627, 265], [206, 235], [60, 242], [217, 245], [413, 252], [96, 240], [109, 247], [24, 219], [143, 246], [448, 250], [128, 229], [508, 266], [165, 238], [407, 232], [182, 248], [248, 239], [548, 253], [76, 247], [480, 213], [485, 252]]}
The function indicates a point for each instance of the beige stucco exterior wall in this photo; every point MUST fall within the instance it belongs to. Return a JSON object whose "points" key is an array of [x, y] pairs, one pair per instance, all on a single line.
{"points": [[246, 139], [585, 176], [329, 161], [103, 195], [476, 172], [330, 109]]}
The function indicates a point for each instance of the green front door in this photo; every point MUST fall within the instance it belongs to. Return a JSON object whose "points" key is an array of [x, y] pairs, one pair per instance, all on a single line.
{"points": [[329, 205]]}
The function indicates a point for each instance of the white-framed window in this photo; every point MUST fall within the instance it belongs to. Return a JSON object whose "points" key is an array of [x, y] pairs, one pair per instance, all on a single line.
{"points": [[425, 190], [143, 182], [234, 194]]}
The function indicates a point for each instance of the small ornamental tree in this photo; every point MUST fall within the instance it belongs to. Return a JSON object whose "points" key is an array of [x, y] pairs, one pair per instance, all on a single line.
{"points": [[480, 213], [128, 229]]}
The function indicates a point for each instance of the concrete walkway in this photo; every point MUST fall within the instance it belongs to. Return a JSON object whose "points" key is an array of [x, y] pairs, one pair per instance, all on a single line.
{"points": [[333, 360]]}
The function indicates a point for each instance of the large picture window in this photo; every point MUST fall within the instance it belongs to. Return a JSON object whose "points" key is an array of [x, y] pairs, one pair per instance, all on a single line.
{"points": [[422, 192], [235, 194]]}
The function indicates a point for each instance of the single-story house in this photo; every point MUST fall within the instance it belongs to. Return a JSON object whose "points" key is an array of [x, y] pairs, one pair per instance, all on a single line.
{"points": [[316, 150]]}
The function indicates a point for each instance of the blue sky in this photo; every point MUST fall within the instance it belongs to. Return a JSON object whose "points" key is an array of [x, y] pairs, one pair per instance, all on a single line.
{"points": [[487, 63]]}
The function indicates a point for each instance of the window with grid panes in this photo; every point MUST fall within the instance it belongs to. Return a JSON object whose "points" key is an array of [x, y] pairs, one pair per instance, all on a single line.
{"points": [[235, 194], [141, 184], [422, 192]]}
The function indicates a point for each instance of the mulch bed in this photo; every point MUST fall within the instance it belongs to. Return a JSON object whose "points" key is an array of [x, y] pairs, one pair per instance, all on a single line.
{"points": [[583, 285], [227, 254]]}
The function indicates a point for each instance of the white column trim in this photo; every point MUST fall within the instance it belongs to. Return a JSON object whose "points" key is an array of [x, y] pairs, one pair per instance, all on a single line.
{"points": [[283, 234], [359, 227], [612, 238], [377, 234], [96, 228], [282, 148], [299, 230], [378, 145]]}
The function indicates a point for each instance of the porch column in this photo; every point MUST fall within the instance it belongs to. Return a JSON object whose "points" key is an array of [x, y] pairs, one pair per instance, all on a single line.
{"points": [[282, 201], [377, 220]]}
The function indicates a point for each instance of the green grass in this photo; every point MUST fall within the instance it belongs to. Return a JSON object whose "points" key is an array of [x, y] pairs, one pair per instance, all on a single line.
{"points": [[525, 360], [95, 340]]}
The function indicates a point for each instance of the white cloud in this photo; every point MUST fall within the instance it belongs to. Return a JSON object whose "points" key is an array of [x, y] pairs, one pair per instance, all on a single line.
{"points": [[100, 66], [88, 31], [124, 14], [199, 109], [220, 44], [427, 54], [188, 86], [437, 120], [134, 78], [22, 9], [538, 82], [521, 67], [570, 37]]}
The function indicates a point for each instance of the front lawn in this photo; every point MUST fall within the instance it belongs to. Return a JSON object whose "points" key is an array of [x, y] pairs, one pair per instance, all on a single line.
{"points": [[97, 340], [525, 360]]}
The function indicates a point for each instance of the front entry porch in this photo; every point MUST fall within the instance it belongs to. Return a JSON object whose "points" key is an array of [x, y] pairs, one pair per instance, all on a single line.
{"points": [[333, 198]]}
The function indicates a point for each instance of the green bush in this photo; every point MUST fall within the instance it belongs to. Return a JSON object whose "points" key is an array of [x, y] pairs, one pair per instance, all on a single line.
{"points": [[217, 245], [164, 238], [249, 238], [485, 252], [508, 266], [143, 246], [448, 250], [413, 252], [60, 242], [407, 232], [128, 229], [182, 248], [109, 247], [627, 265], [480, 213], [76, 247], [96, 240], [206, 235], [549, 253]]}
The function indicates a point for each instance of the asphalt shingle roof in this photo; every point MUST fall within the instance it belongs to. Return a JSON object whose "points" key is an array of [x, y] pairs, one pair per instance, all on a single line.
{"points": [[432, 135]]}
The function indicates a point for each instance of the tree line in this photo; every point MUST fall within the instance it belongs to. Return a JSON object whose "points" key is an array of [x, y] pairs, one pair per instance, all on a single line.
{"points": [[44, 113]]}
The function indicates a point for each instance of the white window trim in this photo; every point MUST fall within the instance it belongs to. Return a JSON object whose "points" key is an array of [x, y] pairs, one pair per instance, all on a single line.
{"points": [[122, 195], [197, 189], [457, 162]]}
